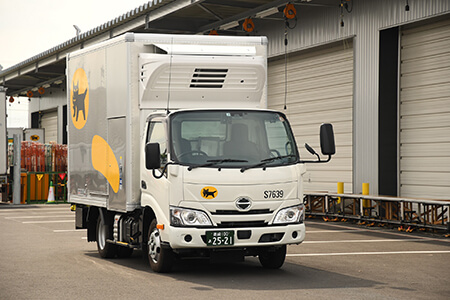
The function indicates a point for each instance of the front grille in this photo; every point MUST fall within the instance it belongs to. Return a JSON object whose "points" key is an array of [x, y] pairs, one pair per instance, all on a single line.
{"points": [[242, 224], [236, 212]]}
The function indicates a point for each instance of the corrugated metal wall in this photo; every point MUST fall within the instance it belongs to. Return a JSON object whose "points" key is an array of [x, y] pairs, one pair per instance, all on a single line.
{"points": [[318, 25], [320, 90], [49, 121], [425, 111]]}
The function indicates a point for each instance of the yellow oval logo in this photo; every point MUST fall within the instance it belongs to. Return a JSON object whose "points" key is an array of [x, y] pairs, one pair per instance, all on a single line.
{"points": [[34, 137], [104, 161], [209, 192], [79, 98]]}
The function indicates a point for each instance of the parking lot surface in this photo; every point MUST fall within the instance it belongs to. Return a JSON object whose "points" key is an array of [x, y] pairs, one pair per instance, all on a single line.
{"points": [[42, 256]]}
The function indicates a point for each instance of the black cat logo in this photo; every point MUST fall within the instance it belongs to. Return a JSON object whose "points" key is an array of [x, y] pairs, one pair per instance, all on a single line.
{"points": [[79, 98], [78, 102], [209, 192]]}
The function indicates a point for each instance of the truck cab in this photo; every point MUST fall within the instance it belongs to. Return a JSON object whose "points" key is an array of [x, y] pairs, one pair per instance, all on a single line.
{"points": [[229, 182]]}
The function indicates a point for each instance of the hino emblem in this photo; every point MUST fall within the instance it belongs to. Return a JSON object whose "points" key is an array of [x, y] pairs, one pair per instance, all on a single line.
{"points": [[243, 204]]}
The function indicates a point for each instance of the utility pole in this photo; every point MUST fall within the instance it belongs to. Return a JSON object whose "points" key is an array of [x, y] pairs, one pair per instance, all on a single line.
{"points": [[17, 154]]}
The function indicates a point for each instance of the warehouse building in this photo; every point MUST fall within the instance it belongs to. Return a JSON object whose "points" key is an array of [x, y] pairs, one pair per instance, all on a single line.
{"points": [[379, 71]]}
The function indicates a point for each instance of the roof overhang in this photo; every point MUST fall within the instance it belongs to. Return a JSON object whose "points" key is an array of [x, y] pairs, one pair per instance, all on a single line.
{"points": [[47, 69]]}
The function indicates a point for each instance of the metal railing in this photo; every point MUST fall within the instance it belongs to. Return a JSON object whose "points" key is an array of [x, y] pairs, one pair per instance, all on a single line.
{"points": [[36, 186], [417, 213]]}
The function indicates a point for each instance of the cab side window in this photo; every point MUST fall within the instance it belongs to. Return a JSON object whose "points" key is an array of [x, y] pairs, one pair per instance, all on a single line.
{"points": [[157, 134]]}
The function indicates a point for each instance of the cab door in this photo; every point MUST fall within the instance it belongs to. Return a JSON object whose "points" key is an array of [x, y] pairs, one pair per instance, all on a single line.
{"points": [[155, 191]]}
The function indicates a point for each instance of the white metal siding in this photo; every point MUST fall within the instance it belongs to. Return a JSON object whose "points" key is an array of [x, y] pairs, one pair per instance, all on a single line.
{"points": [[425, 111], [49, 121], [320, 90]]}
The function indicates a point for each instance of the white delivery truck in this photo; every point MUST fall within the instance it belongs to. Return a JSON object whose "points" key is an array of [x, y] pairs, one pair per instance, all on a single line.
{"points": [[172, 150]]}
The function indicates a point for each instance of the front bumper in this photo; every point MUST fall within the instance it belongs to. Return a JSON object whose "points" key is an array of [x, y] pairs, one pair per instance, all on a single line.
{"points": [[185, 237]]}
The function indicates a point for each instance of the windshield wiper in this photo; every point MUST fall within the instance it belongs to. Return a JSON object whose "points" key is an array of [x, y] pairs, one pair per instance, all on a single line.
{"points": [[263, 163], [214, 162]]}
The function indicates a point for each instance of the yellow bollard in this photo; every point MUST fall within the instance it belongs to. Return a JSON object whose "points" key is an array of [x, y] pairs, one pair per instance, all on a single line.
{"points": [[365, 191], [340, 190]]}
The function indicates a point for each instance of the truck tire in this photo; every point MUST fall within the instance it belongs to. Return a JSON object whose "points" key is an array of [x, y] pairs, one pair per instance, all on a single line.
{"points": [[160, 258], [104, 232], [272, 258]]}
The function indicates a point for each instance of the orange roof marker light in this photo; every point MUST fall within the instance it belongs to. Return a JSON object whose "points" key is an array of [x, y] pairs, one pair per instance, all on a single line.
{"points": [[248, 25], [289, 11]]}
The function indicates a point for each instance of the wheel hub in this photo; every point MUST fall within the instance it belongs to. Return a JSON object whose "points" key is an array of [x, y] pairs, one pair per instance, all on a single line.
{"points": [[154, 245]]}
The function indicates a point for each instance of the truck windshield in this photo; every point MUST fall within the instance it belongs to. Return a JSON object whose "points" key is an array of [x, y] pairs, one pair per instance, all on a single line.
{"points": [[232, 139]]}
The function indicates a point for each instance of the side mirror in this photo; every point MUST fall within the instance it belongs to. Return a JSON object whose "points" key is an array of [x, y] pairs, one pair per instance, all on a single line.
{"points": [[327, 139], [152, 156]]}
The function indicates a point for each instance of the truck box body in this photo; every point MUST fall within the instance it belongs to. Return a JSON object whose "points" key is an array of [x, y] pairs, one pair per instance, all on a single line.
{"points": [[123, 80], [11, 131], [34, 135]]}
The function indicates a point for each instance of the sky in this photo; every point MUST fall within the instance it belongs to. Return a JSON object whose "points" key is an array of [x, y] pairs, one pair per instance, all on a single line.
{"points": [[29, 27]]}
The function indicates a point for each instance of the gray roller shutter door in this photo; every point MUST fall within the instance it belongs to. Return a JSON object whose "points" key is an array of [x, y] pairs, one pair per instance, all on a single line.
{"points": [[49, 121], [320, 90], [425, 111]]}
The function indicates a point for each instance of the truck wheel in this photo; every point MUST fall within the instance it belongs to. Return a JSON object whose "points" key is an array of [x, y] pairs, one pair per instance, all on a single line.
{"points": [[272, 258], [160, 258], [124, 252], [104, 232]]}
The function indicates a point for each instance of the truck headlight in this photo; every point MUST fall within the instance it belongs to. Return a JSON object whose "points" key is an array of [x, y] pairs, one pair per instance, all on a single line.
{"points": [[293, 214], [188, 217]]}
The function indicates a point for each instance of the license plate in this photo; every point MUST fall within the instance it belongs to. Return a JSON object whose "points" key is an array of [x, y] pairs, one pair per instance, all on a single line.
{"points": [[219, 238]]}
